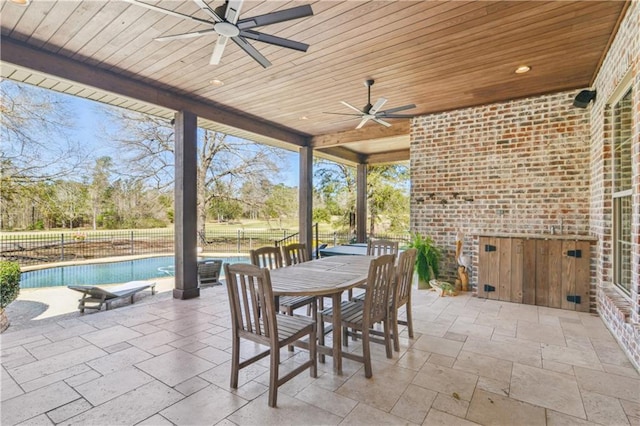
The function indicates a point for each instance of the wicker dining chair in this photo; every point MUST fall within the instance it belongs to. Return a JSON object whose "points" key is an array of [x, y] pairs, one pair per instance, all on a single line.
{"points": [[360, 317], [254, 317]]}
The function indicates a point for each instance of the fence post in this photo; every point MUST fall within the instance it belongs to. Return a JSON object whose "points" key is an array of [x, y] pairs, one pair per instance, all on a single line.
{"points": [[335, 238], [238, 248], [61, 247], [132, 251]]}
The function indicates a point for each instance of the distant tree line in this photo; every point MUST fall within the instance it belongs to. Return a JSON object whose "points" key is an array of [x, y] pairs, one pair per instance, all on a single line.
{"points": [[49, 181]]}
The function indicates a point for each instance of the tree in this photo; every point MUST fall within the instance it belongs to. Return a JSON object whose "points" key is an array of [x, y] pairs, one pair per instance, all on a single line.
{"points": [[99, 188], [69, 202], [281, 203], [387, 194], [36, 146], [135, 206], [225, 162], [336, 188], [35, 135]]}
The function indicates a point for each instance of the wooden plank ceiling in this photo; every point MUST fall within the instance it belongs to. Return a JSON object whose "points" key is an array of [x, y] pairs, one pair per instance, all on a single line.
{"points": [[438, 55]]}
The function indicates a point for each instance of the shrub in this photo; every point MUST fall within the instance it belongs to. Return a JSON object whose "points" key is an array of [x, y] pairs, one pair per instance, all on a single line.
{"points": [[427, 262], [9, 282]]}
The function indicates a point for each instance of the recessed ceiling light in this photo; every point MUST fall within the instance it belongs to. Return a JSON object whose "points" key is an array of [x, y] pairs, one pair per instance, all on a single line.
{"points": [[304, 117], [522, 69], [216, 82], [21, 2]]}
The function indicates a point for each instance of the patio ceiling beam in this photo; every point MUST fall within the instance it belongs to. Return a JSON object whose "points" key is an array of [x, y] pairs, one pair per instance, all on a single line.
{"points": [[59, 66], [388, 157], [341, 155], [366, 133]]}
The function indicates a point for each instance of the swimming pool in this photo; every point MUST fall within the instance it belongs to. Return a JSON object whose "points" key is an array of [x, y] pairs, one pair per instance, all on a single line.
{"points": [[107, 273]]}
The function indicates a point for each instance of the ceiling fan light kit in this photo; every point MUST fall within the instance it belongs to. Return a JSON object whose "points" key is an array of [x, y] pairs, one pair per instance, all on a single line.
{"points": [[226, 23], [372, 112]]}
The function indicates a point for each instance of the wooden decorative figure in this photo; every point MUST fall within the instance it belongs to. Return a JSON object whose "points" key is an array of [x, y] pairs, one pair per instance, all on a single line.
{"points": [[464, 264]]}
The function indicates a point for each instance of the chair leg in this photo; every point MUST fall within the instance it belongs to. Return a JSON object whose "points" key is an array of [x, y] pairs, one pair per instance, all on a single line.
{"points": [[394, 326], [387, 338], [320, 328], [235, 362], [345, 336], [366, 353], [273, 377], [289, 312], [409, 319], [313, 353]]}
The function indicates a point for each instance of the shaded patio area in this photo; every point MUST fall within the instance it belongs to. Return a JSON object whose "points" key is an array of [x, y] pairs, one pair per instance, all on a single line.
{"points": [[166, 361]]}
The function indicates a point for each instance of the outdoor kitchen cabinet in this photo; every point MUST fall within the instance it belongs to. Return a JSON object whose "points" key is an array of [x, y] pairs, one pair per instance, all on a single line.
{"points": [[551, 271]]}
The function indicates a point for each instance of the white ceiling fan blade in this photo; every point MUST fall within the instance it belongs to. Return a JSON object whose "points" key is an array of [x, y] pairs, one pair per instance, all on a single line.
{"points": [[167, 11], [206, 9], [233, 11], [185, 35], [384, 123], [218, 50], [363, 122], [379, 103], [350, 106]]}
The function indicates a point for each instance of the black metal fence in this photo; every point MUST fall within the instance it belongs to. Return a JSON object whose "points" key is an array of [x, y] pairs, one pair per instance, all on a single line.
{"points": [[36, 248]]}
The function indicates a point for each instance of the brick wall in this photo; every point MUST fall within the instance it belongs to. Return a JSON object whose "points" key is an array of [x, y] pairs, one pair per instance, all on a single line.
{"points": [[619, 312], [515, 167], [527, 165]]}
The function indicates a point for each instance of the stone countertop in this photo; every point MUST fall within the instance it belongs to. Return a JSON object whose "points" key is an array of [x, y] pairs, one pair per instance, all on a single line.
{"points": [[569, 237]]}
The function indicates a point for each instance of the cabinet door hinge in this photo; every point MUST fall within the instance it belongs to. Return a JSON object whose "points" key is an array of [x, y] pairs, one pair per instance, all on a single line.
{"points": [[573, 298], [574, 253]]}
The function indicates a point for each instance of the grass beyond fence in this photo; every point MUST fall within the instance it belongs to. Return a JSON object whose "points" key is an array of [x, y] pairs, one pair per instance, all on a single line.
{"points": [[30, 248]]}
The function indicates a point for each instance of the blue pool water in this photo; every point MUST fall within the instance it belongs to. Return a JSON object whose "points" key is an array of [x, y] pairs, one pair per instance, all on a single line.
{"points": [[105, 273]]}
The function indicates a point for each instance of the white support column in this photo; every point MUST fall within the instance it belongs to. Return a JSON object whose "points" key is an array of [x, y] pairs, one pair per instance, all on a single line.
{"points": [[305, 195], [361, 204], [186, 162]]}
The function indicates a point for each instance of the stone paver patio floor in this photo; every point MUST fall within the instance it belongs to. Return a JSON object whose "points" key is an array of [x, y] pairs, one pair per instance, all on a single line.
{"points": [[163, 361]]}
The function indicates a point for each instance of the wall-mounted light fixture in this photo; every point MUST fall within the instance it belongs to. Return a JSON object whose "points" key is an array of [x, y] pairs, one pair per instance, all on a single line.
{"points": [[583, 98]]}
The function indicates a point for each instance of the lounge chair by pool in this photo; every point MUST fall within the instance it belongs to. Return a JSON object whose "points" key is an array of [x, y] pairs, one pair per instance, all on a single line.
{"points": [[99, 296]]}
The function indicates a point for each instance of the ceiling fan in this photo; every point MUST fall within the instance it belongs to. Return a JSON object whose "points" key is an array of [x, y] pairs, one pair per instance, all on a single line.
{"points": [[226, 24], [372, 112]]}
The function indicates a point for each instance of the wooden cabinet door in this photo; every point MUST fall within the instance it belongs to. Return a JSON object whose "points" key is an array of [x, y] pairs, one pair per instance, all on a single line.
{"points": [[540, 271], [517, 269], [576, 276], [529, 272], [535, 272], [504, 269], [488, 268], [554, 270]]}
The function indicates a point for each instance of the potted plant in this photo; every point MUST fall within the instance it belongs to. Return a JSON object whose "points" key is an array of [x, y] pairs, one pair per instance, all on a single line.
{"points": [[9, 288], [428, 259]]}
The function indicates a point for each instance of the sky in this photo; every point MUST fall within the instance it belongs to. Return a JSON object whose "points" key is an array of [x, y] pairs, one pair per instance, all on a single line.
{"points": [[89, 120]]}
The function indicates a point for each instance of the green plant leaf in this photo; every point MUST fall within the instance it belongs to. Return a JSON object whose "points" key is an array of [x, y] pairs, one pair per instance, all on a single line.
{"points": [[9, 282]]}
